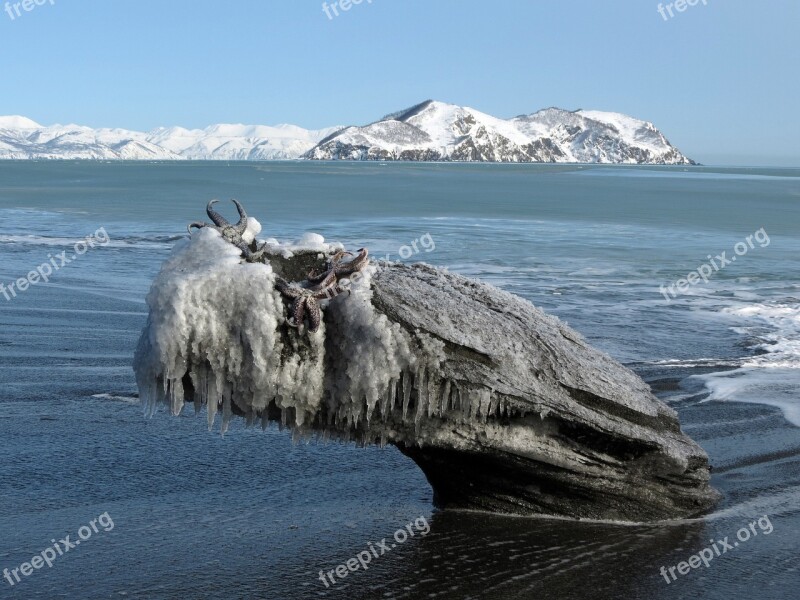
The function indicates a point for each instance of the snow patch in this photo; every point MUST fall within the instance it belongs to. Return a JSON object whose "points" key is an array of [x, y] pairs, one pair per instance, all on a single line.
{"points": [[312, 242]]}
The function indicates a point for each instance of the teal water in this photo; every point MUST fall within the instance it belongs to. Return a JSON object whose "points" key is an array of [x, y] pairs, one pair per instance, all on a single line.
{"points": [[253, 516]]}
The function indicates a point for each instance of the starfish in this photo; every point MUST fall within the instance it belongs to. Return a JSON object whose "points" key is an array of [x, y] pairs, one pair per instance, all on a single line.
{"points": [[231, 233], [305, 300], [338, 269]]}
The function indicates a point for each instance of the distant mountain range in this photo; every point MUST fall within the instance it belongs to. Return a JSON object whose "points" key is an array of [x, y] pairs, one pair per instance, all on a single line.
{"points": [[430, 131], [23, 138]]}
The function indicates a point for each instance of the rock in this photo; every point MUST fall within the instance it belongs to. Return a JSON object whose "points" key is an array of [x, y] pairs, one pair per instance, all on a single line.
{"points": [[503, 407], [568, 430]]}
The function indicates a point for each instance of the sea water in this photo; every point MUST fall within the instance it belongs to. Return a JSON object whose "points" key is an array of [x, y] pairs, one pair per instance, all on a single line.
{"points": [[251, 515]]}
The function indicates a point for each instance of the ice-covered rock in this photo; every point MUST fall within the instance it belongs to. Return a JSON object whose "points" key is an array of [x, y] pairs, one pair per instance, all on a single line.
{"points": [[503, 407]]}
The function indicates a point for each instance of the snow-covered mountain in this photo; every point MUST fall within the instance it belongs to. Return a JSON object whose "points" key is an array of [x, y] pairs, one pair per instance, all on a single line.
{"points": [[446, 132], [23, 138], [433, 131], [239, 142]]}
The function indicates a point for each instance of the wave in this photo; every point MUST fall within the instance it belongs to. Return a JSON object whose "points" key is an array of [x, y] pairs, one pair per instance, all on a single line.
{"points": [[158, 241], [789, 174], [696, 363], [117, 398], [781, 502], [771, 376]]}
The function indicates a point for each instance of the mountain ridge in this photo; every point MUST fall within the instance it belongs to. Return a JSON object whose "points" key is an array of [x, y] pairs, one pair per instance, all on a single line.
{"points": [[427, 131]]}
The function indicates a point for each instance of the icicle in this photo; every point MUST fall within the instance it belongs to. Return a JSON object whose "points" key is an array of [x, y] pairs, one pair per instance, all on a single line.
{"points": [[388, 399], [200, 393], [393, 393], [371, 404], [422, 400], [466, 403], [493, 402], [212, 408], [226, 411], [213, 399], [445, 400], [176, 396], [359, 409], [475, 403], [433, 394], [406, 393]]}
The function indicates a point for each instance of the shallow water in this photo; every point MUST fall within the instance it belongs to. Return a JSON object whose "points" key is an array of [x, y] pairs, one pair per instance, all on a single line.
{"points": [[251, 515]]}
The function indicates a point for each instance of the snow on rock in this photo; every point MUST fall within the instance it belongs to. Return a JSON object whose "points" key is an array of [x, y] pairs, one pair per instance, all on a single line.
{"points": [[253, 229], [216, 319], [308, 242], [218, 325]]}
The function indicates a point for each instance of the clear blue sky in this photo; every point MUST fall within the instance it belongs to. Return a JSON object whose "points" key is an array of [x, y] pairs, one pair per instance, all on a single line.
{"points": [[720, 80]]}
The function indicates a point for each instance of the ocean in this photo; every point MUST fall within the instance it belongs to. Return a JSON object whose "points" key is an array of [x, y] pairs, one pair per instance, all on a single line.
{"points": [[174, 511]]}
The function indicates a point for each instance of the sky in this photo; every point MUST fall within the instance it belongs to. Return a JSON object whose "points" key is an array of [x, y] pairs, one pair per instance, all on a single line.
{"points": [[719, 79]]}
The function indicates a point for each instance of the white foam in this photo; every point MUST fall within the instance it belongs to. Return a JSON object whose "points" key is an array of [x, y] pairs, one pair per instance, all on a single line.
{"points": [[773, 376]]}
